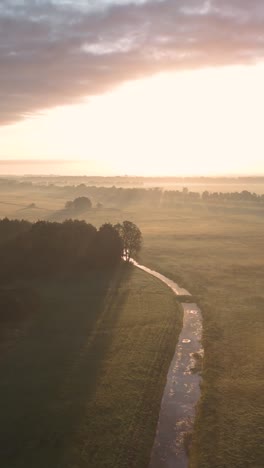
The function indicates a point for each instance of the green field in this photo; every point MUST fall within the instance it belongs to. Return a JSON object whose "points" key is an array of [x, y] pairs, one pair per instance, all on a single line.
{"points": [[219, 258], [216, 252], [82, 374]]}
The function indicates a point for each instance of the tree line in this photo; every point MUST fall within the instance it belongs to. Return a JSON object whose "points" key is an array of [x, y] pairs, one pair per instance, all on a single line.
{"points": [[43, 248], [152, 197], [83, 197]]}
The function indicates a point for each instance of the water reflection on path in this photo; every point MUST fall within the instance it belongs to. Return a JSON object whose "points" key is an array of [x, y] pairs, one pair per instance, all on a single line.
{"points": [[174, 286], [182, 390]]}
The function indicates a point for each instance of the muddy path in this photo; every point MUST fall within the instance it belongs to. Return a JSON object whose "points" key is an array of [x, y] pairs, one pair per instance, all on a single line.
{"points": [[182, 390]]}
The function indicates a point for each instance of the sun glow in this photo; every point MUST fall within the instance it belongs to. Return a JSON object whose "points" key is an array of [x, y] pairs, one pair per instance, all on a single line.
{"points": [[196, 122]]}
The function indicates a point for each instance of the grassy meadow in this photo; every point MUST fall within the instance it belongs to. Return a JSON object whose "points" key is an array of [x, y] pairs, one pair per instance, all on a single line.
{"points": [[218, 256], [82, 375], [216, 252]]}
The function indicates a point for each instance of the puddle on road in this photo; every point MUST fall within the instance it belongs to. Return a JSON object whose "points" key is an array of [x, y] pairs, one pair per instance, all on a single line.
{"points": [[182, 390]]}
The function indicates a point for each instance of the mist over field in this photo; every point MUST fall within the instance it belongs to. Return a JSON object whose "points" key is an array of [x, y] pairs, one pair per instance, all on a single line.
{"points": [[76, 173], [92, 337], [131, 234]]}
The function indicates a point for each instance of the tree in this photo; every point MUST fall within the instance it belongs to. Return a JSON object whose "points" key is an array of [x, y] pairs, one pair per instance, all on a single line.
{"points": [[79, 204], [131, 237]]}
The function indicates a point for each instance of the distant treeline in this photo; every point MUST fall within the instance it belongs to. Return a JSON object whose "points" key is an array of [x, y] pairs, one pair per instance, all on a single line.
{"points": [[123, 197], [119, 197], [131, 180], [44, 248]]}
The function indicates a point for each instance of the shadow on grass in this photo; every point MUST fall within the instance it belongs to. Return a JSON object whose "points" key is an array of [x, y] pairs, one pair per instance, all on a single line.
{"points": [[50, 374]]}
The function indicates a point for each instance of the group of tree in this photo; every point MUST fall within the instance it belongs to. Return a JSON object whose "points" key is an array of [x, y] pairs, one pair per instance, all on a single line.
{"points": [[119, 197], [82, 197], [79, 204], [44, 248], [244, 196], [10, 229]]}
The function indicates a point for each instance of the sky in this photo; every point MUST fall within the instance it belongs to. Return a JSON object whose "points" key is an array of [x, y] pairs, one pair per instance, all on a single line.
{"points": [[158, 87]]}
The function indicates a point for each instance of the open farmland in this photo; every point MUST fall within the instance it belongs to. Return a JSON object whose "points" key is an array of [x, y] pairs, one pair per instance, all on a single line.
{"points": [[82, 376], [131, 234], [218, 256], [215, 250]]}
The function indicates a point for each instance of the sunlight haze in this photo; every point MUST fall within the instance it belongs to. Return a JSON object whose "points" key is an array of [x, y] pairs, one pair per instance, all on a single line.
{"points": [[131, 232], [142, 87], [193, 122]]}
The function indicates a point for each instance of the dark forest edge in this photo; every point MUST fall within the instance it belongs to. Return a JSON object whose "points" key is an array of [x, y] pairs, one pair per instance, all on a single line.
{"points": [[46, 248]]}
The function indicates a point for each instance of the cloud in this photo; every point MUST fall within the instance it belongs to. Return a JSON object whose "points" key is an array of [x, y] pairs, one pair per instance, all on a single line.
{"points": [[58, 52]]}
